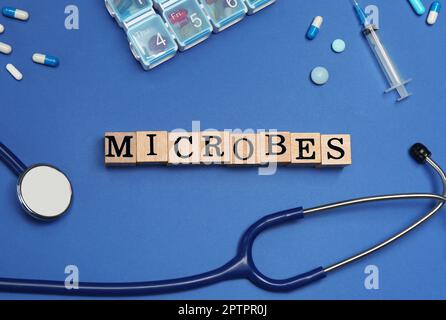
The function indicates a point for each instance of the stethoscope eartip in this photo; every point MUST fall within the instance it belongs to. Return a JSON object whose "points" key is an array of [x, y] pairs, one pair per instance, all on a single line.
{"points": [[420, 152]]}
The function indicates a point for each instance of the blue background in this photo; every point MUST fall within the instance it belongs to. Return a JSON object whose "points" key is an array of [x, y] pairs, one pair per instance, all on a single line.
{"points": [[132, 224]]}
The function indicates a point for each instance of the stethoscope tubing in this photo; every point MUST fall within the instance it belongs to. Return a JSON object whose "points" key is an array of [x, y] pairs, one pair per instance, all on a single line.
{"points": [[241, 267], [11, 160]]}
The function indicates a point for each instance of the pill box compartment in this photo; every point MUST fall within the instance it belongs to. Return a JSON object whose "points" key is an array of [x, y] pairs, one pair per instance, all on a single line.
{"points": [[126, 10], [188, 23], [151, 42], [257, 5], [224, 13]]}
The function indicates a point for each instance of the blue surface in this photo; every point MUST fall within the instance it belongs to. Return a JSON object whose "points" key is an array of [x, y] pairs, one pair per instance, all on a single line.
{"points": [[133, 224]]}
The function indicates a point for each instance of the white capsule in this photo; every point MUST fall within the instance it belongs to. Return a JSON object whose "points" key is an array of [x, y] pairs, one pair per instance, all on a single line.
{"points": [[5, 48], [433, 13], [46, 60], [15, 13], [14, 72], [2, 28], [313, 30]]}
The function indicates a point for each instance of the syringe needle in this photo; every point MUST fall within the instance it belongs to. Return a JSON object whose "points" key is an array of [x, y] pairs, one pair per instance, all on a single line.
{"points": [[362, 16]]}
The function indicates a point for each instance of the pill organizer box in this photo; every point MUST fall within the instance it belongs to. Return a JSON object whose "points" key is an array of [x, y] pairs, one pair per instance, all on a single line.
{"points": [[157, 29]]}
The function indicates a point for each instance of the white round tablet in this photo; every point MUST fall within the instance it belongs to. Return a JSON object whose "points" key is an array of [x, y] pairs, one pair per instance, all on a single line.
{"points": [[44, 192], [320, 75], [338, 46]]}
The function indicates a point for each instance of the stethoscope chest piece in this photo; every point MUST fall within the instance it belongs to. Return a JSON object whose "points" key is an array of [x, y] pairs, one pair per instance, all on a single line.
{"points": [[44, 192]]}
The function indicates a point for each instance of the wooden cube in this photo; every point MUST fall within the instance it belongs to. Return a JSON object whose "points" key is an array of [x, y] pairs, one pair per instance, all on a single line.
{"points": [[274, 147], [183, 148], [306, 148], [151, 147], [336, 150], [215, 147], [244, 149], [120, 148]]}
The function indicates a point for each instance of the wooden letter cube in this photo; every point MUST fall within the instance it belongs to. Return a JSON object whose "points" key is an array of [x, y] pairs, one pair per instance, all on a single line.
{"points": [[274, 147], [215, 147], [184, 147], [120, 148], [306, 148], [336, 150], [151, 147], [244, 149]]}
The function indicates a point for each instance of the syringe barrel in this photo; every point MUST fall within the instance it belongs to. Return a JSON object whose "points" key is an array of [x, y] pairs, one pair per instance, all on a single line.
{"points": [[386, 62]]}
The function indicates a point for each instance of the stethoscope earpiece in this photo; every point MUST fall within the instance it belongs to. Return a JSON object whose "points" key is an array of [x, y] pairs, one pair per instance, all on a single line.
{"points": [[420, 152], [44, 192]]}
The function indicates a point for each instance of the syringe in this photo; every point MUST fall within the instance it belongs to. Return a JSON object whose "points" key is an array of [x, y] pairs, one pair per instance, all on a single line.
{"points": [[389, 68]]}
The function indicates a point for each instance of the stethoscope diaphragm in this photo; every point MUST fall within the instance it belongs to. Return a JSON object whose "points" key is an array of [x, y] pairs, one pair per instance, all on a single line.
{"points": [[44, 192]]}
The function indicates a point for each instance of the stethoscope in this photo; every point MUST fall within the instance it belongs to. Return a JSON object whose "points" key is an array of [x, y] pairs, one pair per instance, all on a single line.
{"points": [[45, 193]]}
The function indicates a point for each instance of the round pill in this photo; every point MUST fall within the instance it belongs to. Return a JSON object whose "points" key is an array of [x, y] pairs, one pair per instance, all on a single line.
{"points": [[2, 28], [319, 75], [338, 45]]}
